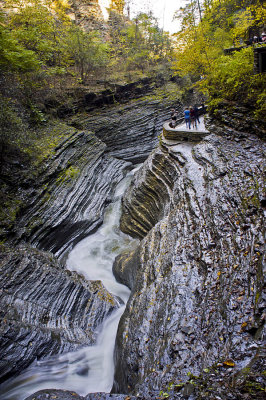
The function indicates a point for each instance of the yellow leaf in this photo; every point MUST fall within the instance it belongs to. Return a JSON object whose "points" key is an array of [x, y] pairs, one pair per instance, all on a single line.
{"points": [[229, 363], [243, 326]]}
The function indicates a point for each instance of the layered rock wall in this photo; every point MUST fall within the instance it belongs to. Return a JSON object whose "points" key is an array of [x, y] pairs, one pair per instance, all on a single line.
{"points": [[71, 194], [130, 131], [196, 312], [45, 309]]}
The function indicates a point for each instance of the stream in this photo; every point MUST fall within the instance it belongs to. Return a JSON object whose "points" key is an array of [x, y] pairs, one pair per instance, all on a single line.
{"points": [[89, 369]]}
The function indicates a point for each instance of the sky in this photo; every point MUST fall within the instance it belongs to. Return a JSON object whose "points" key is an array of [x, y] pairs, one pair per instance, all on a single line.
{"points": [[162, 9]]}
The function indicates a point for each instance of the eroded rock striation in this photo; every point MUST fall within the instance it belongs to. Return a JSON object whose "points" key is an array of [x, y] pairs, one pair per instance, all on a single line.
{"points": [[67, 196], [71, 194], [130, 131], [45, 309], [48, 310], [67, 199], [195, 318]]}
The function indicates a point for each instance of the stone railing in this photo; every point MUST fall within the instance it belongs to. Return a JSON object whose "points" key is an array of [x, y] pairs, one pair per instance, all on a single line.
{"points": [[183, 135], [180, 133]]}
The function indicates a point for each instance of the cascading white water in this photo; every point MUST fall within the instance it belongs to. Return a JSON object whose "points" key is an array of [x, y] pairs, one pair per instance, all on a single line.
{"points": [[90, 369]]}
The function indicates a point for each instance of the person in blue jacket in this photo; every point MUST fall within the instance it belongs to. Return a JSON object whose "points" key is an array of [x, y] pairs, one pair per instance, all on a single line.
{"points": [[187, 117]]}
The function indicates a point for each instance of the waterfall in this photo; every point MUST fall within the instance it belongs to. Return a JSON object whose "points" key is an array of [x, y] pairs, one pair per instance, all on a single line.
{"points": [[89, 369]]}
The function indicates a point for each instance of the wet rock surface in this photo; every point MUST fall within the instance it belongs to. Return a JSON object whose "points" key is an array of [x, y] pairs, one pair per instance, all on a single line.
{"points": [[238, 120], [70, 195], [45, 309], [130, 131], [148, 197], [193, 327], [64, 199], [65, 395], [194, 324]]}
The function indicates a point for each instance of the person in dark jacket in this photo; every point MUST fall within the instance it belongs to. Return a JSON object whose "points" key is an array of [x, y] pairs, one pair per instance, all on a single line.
{"points": [[173, 118], [196, 111], [192, 117]]}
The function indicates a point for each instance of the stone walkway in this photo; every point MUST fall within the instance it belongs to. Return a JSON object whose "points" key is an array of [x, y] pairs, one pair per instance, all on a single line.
{"points": [[199, 128], [184, 134]]}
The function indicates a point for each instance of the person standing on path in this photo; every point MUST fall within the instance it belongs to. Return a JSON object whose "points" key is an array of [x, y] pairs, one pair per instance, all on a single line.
{"points": [[187, 117], [196, 111], [173, 118], [192, 117]]}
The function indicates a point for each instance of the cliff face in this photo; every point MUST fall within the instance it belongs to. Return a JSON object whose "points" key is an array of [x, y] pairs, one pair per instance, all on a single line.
{"points": [[195, 317], [86, 13], [69, 193], [45, 309], [69, 198]]}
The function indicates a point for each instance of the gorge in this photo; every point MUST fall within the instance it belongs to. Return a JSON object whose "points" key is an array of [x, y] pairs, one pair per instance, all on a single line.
{"points": [[193, 325], [132, 252]]}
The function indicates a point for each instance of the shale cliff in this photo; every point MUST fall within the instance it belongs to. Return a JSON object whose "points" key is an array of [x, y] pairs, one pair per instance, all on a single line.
{"points": [[74, 187], [194, 323], [66, 197], [45, 308]]}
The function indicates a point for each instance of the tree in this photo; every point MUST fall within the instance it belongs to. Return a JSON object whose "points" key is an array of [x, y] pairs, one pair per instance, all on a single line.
{"points": [[200, 49], [13, 55], [38, 26], [87, 51]]}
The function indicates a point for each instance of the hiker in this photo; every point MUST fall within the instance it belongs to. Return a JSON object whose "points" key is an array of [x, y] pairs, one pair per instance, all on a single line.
{"points": [[192, 117], [196, 111], [187, 117], [173, 119], [263, 37]]}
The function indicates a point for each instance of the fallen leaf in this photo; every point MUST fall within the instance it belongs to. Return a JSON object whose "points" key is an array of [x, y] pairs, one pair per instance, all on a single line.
{"points": [[243, 326], [229, 363]]}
